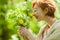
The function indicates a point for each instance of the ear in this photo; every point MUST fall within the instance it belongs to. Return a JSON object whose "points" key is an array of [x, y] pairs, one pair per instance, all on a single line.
{"points": [[46, 10]]}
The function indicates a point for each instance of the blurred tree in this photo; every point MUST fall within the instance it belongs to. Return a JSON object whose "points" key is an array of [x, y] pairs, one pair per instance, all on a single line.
{"points": [[14, 13], [3, 23], [5, 31]]}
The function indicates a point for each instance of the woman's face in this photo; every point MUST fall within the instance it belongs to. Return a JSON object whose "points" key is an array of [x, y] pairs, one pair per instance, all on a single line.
{"points": [[38, 13]]}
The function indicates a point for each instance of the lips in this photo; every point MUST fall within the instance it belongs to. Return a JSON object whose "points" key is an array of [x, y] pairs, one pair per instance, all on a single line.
{"points": [[36, 16]]}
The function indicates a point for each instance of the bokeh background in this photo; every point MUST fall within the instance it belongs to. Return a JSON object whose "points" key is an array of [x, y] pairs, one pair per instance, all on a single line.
{"points": [[16, 13]]}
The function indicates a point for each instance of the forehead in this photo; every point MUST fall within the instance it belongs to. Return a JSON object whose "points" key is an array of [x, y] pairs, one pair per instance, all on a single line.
{"points": [[36, 7]]}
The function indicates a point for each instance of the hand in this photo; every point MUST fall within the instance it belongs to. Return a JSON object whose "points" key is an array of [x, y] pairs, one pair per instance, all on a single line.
{"points": [[21, 31], [24, 32]]}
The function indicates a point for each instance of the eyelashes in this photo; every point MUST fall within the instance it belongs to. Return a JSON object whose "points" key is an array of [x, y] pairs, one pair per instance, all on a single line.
{"points": [[35, 10]]}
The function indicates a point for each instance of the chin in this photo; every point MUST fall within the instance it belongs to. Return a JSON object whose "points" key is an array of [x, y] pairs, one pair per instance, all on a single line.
{"points": [[38, 20]]}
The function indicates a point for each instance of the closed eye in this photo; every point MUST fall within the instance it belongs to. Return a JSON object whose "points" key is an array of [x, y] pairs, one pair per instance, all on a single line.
{"points": [[35, 11]]}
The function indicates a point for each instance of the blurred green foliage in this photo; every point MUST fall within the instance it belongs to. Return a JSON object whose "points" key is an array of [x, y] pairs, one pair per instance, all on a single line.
{"points": [[17, 13]]}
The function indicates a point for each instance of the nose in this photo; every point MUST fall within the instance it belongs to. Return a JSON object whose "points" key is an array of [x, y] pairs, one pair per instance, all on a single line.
{"points": [[35, 15]]}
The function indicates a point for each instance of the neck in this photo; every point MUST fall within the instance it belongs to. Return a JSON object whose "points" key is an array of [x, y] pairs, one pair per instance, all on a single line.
{"points": [[49, 20]]}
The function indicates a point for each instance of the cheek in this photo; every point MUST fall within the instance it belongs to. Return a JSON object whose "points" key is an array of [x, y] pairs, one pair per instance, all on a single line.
{"points": [[41, 14]]}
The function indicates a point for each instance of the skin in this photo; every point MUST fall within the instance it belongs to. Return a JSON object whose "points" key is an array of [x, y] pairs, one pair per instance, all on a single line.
{"points": [[39, 15], [26, 34]]}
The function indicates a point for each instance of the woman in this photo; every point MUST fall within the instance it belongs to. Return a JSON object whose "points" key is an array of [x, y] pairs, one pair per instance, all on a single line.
{"points": [[44, 10]]}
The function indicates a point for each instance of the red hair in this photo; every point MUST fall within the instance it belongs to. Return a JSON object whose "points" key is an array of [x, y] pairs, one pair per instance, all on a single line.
{"points": [[49, 4]]}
